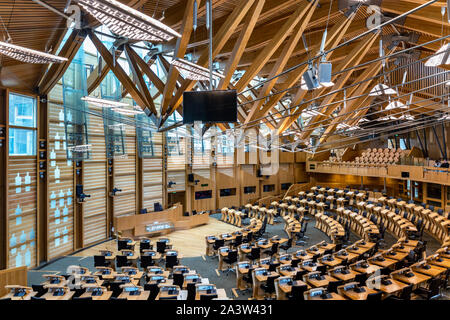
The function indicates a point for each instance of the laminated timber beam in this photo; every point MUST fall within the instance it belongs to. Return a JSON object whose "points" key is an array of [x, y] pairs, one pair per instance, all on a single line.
{"points": [[57, 70], [283, 59], [180, 51], [335, 36], [139, 79], [354, 58], [118, 71], [241, 43], [219, 40]]}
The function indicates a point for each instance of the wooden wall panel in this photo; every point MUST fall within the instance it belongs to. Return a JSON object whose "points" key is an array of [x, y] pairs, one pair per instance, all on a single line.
{"points": [[179, 177], [61, 189], [94, 208], [152, 182], [22, 211], [12, 276]]}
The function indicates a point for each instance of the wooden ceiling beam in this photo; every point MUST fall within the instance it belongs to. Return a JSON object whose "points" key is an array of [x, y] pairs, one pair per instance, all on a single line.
{"points": [[180, 50], [354, 58], [145, 67], [121, 75], [281, 62], [57, 70], [241, 43], [334, 37], [139, 79], [265, 54], [219, 40]]}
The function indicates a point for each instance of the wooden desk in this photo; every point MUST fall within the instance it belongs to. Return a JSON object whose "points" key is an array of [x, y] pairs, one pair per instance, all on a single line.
{"points": [[28, 292], [353, 295], [390, 289], [165, 294], [67, 296], [318, 283], [143, 295], [387, 263], [372, 268], [433, 271], [344, 277], [334, 296], [106, 295], [398, 256], [416, 280], [445, 263]]}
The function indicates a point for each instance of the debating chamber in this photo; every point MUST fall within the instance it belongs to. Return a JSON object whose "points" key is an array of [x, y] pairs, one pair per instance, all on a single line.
{"points": [[239, 151]]}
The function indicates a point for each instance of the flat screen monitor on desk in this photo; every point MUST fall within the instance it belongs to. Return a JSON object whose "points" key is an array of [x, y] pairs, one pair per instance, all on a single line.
{"points": [[207, 288], [171, 253]]}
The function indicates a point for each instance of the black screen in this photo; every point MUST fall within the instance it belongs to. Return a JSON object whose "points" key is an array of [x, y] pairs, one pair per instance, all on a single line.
{"points": [[210, 106]]}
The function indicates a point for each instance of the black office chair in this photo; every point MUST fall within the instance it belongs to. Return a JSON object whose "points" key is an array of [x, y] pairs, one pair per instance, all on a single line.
{"points": [[115, 288], [145, 245], [122, 261], [191, 291], [297, 292], [301, 235], [300, 273], [100, 261], [361, 278], [204, 297], [273, 250], [273, 266], [161, 247], [404, 295], [333, 285], [237, 241], [218, 243], [249, 238], [432, 290], [78, 292], [255, 254], [322, 269], [230, 260], [154, 290], [269, 286], [178, 279], [375, 296], [39, 288], [123, 245], [146, 261], [287, 245], [171, 261]]}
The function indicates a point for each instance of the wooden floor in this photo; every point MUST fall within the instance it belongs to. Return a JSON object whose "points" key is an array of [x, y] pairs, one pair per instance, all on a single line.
{"points": [[190, 243]]}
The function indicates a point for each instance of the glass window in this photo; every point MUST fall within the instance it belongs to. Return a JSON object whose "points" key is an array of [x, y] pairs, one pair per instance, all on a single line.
{"points": [[22, 142], [22, 111]]}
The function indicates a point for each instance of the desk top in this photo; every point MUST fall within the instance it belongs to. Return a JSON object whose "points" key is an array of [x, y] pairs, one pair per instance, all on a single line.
{"points": [[418, 278], [67, 296], [105, 296], [353, 295], [334, 296], [142, 296]]}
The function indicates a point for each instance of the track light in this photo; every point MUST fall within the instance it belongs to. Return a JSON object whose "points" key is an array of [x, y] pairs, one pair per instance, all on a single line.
{"points": [[325, 69], [442, 56], [28, 55], [193, 71], [381, 89], [127, 22]]}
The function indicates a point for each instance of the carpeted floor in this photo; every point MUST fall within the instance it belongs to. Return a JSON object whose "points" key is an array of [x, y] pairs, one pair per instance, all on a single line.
{"points": [[206, 266]]}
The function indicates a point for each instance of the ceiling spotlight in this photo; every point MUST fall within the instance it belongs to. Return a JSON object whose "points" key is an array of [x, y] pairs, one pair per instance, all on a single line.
{"points": [[104, 103], [193, 71], [325, 69], [396, 105], [406, 117], [127, 22], [28, 55], [442, 56], [310, 79], [381, 89]]}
